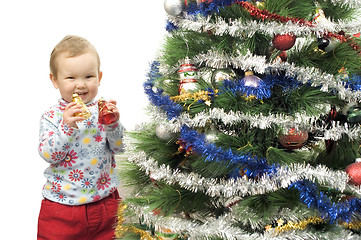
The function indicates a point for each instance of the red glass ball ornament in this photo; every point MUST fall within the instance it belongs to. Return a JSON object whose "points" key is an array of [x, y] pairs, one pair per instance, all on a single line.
{"points": [[284, 42], [354, 172], [106, 116], [293, 139]]}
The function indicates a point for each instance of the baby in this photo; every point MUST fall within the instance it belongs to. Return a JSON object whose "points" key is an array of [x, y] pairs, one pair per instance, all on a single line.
{"points": [[80, 194]]}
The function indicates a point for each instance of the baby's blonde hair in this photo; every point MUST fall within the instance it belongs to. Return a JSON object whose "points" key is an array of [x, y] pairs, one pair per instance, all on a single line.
{"points": [[72, 46]]}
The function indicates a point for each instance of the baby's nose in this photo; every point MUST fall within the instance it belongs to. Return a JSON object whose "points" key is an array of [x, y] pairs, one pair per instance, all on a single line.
{"points": [[80, 84]]}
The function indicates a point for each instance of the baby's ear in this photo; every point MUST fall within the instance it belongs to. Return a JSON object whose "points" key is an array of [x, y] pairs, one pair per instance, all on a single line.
{"points": [[100, 77], [54, 81]]}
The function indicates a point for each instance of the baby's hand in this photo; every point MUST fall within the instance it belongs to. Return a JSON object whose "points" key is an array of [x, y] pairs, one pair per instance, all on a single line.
{"points": [[68, 115], [111, 105]]}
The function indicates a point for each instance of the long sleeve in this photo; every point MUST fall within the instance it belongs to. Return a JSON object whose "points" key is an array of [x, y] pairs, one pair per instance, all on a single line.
{"points": [[114, 133], [54, 131]]}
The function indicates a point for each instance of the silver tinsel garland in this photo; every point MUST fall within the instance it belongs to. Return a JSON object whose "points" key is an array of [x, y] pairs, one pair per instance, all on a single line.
{"points": [[242, 187], [351, 3], [317, 78], [216, 59], [241, 28], [258, 64], [335, 131], [223, 227]]}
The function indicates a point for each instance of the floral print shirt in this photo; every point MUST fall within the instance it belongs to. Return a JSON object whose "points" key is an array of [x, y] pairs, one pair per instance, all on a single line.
{"points": [[82, 165]]}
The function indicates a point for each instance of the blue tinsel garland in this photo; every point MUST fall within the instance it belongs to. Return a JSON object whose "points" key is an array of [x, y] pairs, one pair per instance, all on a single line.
{"points": [[254, 165], [313, 198], [206, 8], [171, 108], [264, 89], [170, 27], [354, 82]]}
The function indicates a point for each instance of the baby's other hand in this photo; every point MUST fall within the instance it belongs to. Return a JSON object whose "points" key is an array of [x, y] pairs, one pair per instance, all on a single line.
{"points": [[68, 115], [111, 105]]}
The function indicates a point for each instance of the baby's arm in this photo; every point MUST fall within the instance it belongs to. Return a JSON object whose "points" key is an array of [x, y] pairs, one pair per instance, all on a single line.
{"points": [[115, 130], [55, 139]]}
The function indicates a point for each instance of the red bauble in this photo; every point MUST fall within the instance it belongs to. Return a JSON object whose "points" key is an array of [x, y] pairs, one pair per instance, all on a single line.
{"points": [[293, 139], [106, 116], [354, 172], [284, 42]]}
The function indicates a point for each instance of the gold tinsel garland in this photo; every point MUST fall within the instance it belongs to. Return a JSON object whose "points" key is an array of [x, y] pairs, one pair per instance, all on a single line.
{"points": [[297, 226], [282, 227], [120, 229], [200, 95], [353, 225], [204, 96]]}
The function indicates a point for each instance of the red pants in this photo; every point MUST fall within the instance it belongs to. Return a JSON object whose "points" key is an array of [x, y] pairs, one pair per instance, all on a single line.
{"points": [[93, 221]]}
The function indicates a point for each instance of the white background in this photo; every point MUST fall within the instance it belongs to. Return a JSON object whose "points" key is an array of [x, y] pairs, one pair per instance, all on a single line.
{"points": [[127, 35]]}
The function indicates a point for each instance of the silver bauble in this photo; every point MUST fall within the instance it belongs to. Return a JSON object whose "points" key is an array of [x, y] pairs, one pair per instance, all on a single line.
{"points": [[349, 105], [211, 136], [164, 133], [222, 74], [332, 45], [174, 7], [327, 44]]}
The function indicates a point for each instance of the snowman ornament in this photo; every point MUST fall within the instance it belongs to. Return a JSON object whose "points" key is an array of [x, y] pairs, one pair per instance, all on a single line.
{"points": [[188, 77]]}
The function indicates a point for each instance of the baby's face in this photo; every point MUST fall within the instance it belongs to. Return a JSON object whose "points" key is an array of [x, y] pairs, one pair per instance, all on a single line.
{"points": [[77, 74]]}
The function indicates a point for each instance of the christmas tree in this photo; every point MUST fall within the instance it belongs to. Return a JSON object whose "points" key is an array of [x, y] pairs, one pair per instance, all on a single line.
{"points": [[256, 124]]}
